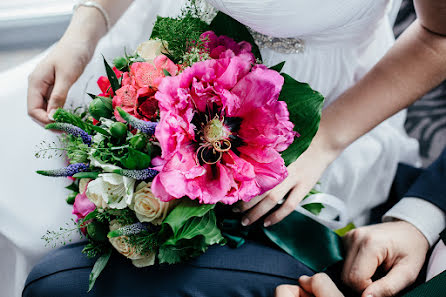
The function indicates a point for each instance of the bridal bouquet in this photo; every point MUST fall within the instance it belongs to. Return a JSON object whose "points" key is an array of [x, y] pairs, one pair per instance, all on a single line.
{"points": [[190, 120]]}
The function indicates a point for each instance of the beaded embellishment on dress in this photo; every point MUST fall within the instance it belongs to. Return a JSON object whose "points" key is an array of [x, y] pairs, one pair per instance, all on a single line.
{"points": [[281, 45]]}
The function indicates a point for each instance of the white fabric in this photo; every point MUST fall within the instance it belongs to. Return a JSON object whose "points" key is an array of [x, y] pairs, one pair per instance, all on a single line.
{"points": [[425, 216], [437, 261], [343, 40]]}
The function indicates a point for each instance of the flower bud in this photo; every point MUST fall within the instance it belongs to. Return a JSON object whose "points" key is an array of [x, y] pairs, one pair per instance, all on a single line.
{"points": [[120, 62], [101, 107], [71, 197], [118, 130], [97, 231], [138, 142]]}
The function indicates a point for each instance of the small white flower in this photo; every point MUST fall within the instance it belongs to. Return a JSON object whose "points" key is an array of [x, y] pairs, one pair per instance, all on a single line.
{"points": [[151, 49], [111, 190]]}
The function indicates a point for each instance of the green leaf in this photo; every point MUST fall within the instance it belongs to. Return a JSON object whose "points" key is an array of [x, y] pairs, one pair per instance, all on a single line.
{"points": [[185, 249], [98, 267], [107, 101], [166, 73], [278, 67], [64, 116], [341, 232], [136, 160], [111, 76], [73, 187], [314, 208], [99, 130], [92, 96], [184, 211], [92, 175], [192, 239], [205, 226], [305, 107], [90, 216], [223, 24]]}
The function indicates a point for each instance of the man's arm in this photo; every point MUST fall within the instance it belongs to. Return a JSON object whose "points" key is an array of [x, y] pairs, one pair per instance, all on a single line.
{"points": [[424, 205]]}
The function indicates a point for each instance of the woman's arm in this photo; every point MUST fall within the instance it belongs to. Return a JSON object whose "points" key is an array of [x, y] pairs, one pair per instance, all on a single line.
{"points": [[413, 66], [53, 77]]}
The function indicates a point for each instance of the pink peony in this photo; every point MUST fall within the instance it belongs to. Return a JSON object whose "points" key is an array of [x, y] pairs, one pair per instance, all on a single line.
{"points": [[82, 206], [225, 47], [221, 131]]}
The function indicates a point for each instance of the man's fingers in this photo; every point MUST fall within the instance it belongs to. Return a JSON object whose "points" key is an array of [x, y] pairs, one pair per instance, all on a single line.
{"points": [[364, 265], [398, 278], [320, 285], [288, 291]]}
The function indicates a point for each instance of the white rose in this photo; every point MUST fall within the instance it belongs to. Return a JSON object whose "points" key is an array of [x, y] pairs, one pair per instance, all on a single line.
{"points": [[149, 50], [121, 245], [83, 182], [147, 207], [111, 190]]}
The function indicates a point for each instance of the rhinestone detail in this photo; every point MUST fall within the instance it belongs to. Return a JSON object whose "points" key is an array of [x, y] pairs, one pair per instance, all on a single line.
{"points": [[281, 45]]}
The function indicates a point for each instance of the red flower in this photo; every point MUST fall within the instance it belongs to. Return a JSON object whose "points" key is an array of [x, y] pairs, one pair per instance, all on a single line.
{"points": [[105, 86]]}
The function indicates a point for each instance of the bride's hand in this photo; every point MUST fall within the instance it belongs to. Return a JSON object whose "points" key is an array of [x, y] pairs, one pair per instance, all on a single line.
{"points": [[303, 174], [53, 77]]}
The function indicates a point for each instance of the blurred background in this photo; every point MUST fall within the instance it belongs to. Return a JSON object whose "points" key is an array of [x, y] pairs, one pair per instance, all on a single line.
{"points": [[28, 27]]}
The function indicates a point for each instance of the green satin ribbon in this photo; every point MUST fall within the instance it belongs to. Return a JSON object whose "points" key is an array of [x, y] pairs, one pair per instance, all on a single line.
{"points": [[436, 287], [301, 237], [306, 240]]}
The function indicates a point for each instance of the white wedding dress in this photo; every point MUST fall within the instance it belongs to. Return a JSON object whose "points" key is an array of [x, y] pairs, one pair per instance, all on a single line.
{"points": [[342, 40]]}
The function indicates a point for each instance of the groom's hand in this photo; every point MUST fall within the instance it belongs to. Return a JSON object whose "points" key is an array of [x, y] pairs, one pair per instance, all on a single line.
{"points": [[397, 247], [319, 285]]}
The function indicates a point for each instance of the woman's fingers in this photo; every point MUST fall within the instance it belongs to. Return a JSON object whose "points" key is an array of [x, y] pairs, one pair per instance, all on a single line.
{"points": [[60, 91], [244, 206], [266, 204], [38, 91], [294, 198]]}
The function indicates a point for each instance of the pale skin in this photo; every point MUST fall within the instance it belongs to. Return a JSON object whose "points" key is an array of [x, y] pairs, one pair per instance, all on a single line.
{"points": [[389, 87]]}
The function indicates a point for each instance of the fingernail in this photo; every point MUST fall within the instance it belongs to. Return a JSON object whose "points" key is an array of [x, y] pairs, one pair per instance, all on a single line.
{"points": [[235, 209], [370, 295], [245, 222], [51, 114], [266, 224], [304, 277]]}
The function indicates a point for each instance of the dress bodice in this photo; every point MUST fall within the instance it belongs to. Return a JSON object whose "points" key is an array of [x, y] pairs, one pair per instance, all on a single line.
{"points": [[326, 20]]}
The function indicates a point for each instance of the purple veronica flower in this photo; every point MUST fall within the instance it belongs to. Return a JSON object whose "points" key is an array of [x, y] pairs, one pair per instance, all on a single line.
{"points": [[138, 174], [128, 230], [70, 170], [143, 126], [71, 129]]}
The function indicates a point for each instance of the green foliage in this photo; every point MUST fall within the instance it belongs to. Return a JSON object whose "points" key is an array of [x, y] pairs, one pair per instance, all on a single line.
{"points": [[92, 175], [64, 116], [145, 242], [114, 82], [135, 160], [101, 107], [305, 107], [194, 229], [223, 24], [314, 208], [123, 216], [179, 33], [98, 267], [76, 149], [278, 67], [95, 249]]}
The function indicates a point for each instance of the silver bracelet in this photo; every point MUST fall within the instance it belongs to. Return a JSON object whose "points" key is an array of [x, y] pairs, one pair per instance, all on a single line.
{"points": [[98, 7]]}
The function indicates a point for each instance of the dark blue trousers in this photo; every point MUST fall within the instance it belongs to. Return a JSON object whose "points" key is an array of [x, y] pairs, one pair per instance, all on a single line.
{"points": [[251, 270]]}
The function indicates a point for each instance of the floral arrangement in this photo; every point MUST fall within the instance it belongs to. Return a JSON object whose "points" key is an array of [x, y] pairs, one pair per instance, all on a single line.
{"points": [[191, 120]]}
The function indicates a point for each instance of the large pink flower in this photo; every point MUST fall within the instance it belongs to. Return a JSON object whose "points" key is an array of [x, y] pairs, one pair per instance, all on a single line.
{"points": [[221, 131], [226, 47]]}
